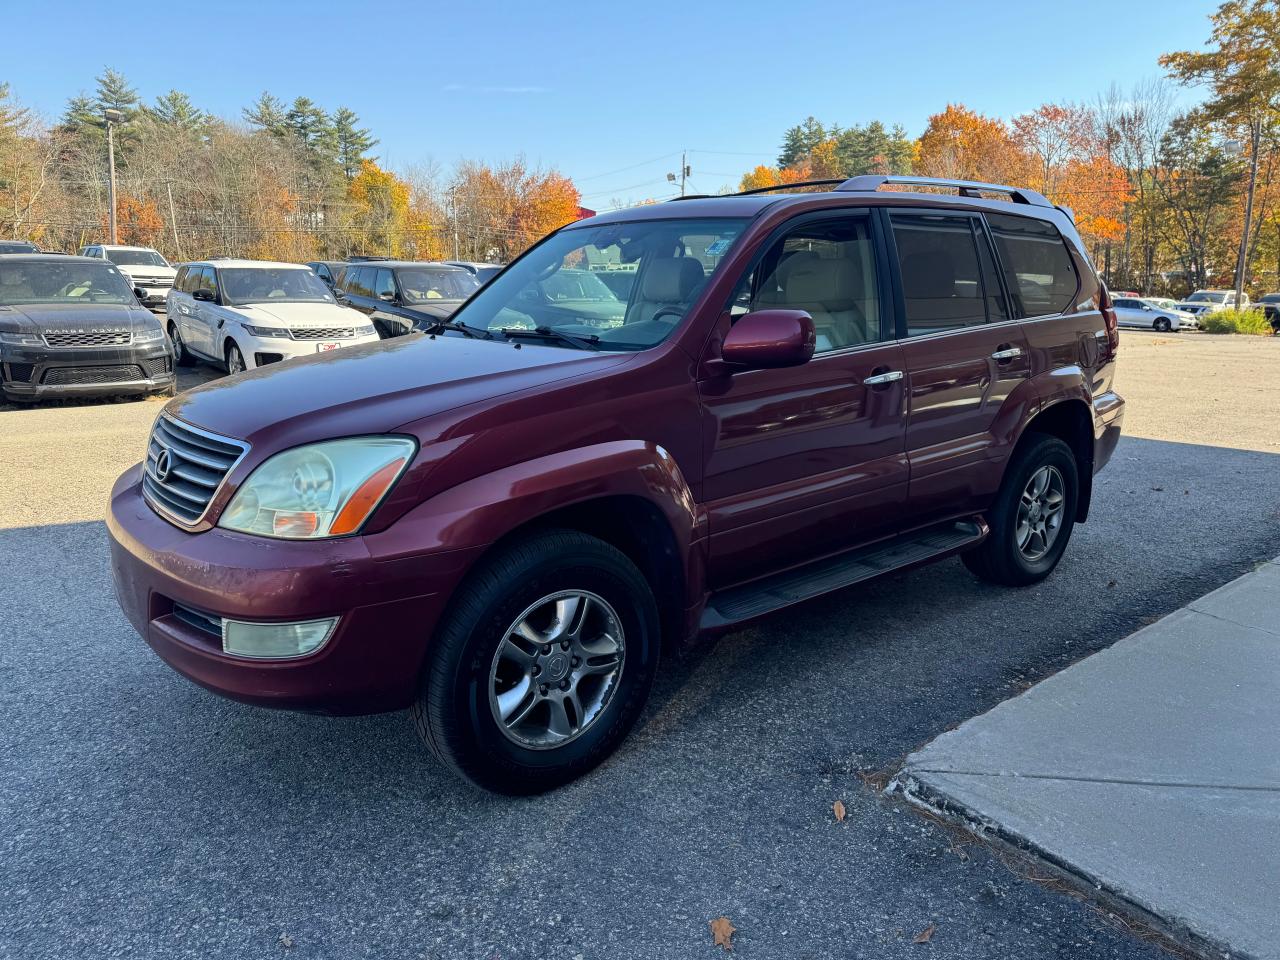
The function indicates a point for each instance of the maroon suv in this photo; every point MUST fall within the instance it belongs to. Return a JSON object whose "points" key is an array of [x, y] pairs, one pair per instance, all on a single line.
{"points": [[498, 524]]}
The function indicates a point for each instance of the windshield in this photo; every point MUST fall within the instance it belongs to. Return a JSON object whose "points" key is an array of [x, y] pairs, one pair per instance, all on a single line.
{"points": [[420, 284], [241, 285], [136, 258], [557, 285], [36, 281], [1207, 296]]}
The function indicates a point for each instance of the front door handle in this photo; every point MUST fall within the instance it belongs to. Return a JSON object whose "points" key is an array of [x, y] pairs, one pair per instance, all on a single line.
{"points": [[1007, 354], [879, 379]]}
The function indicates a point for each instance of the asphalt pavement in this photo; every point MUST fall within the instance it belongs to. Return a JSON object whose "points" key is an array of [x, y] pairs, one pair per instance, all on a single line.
{"points": [[141, 816]]}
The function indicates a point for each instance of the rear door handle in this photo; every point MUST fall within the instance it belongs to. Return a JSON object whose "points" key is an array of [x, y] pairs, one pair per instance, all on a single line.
{"points": [[878, 379], [1008, 354]]}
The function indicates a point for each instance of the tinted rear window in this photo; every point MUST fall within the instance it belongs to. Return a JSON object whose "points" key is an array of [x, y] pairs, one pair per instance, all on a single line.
{"points": [[1037, 267]]}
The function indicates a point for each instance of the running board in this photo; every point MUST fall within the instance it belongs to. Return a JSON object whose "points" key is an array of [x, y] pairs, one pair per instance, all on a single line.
{"points": [[737, 604]]}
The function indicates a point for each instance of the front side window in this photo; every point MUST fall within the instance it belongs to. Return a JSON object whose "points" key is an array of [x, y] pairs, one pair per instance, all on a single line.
{"points": [[37, 281], [673, 260], [827, 269], [422, 284], [384, 285], [943, 287], [358, 281], [1037, 267], [244, 285], [137, 258]]}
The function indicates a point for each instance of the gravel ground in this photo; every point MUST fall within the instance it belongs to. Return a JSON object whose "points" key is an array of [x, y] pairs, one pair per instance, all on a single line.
{"points": [[141, 816]]}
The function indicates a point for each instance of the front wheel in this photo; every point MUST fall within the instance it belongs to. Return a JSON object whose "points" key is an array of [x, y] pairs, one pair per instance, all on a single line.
{"points": [[235, 359], [542, 666], [1162, 324], [181, 355], [1032, 518]]}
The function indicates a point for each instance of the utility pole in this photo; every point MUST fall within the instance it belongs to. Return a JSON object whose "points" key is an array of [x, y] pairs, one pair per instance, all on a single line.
{"points": [[684, 173], [112, 117], [173, 220], [453, 216]]}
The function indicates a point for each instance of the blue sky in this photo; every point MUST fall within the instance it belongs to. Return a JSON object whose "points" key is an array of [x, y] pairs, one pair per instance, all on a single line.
{"points": [[593, 88]]}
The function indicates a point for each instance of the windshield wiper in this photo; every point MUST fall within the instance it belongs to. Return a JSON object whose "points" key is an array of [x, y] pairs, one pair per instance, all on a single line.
{"points": [[461, 327], [589, 342]]}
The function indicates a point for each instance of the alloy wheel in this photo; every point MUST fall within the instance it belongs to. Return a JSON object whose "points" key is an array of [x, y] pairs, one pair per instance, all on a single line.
{"points": [[556, 669], [1040, 513], [235, 362]]}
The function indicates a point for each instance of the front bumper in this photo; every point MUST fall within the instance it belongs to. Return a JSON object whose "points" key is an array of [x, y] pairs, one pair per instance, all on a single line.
{"points": [[43, 373], [388, 604]]}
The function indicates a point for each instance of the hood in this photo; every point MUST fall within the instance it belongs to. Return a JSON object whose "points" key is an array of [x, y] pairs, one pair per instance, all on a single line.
{"points": [[434, 309], [374, 387], [75, 317], [294, 315], [146, 270]]}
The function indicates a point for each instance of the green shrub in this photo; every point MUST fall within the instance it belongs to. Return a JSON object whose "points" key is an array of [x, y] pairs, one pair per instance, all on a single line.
{"points": [[1236, 321]]}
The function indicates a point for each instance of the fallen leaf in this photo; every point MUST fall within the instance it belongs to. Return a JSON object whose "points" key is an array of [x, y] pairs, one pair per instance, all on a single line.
{"points": [[1111, 584], [722, 932], [286, 941], [838, 809], [925, 935], [1158, 489]]}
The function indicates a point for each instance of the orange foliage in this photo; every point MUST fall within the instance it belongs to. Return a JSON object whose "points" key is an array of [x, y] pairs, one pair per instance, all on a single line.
{"points": [[138, 222], [960, 144]]}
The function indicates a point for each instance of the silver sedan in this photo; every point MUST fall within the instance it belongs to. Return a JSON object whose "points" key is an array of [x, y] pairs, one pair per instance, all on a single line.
{"points": [[1152, 315]]}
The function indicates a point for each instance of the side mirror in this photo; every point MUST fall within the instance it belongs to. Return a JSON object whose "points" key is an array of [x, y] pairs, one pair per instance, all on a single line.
{"points": [[387, 297], [1146, 307], [202, 294], [770, 338], [140, 294]]}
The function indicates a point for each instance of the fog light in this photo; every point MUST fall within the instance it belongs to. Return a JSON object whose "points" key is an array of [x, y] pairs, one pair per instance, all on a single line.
{"points": [[274, 641]]}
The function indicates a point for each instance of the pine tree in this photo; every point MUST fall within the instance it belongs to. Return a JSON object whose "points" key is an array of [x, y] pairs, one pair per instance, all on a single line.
{"points": [[175, 109], [114, 93], [267, 113], [312, 128], [353, 141]]}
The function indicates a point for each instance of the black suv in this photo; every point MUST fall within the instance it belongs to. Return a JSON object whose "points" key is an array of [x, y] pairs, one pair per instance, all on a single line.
{"points": [[72, 326], [405, 296], [18, 246]]}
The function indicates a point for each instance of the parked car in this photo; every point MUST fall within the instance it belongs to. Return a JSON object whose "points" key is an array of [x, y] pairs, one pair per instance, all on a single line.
{"points": [[484, 272], [250, 313], [1137, 312], [18, 246], [146, 269], [405, 296], [1211, 301], [327, 270], [73, 327], [1270, 304], [500, 526]]}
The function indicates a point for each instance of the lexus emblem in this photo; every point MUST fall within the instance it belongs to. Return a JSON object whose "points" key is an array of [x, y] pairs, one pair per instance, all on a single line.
{"points": [[162, 464]]}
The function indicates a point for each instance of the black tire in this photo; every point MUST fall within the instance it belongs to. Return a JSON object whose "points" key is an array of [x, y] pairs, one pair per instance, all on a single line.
{"points": [[181, 355], [452, 713], [998, 559], [1162, 325], [235, 359]]}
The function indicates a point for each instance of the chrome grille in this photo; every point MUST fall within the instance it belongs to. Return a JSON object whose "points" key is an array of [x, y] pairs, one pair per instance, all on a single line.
{"points": [[323, 333], [196, 463], [84, 338], [152, 281]]}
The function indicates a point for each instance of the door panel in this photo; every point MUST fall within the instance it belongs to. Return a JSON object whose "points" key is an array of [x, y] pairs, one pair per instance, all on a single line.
{"points": [[803, 461]]}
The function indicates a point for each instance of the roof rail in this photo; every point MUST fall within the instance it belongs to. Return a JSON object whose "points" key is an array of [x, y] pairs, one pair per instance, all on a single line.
{"points": [[967, 188]]}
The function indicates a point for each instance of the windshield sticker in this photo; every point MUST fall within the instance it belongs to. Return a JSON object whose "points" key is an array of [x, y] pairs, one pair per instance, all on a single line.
{"points": [[718, 247]]}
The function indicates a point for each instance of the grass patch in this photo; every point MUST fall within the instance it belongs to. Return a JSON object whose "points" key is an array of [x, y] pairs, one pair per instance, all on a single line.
{"points": [[1251, 322]]}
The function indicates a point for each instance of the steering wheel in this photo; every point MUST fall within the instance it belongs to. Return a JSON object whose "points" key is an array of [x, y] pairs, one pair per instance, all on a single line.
{"points": [[676, 312]]}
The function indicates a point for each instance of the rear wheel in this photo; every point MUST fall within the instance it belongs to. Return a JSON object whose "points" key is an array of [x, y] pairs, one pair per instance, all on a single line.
{"points": [[235, 359], [1162, 324], [181, 355], [1032, 518], [542, 666]]}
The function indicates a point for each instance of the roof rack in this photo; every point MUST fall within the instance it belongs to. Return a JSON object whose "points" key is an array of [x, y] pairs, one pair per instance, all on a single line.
{"points": [[870, 183]]}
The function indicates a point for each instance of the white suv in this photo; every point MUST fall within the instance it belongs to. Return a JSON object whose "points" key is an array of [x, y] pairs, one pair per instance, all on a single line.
{"points": [[145, 269], [1211, 301], [249, 313]]}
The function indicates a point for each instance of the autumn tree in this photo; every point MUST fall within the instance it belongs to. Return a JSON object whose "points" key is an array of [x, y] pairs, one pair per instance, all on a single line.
{"points": [[503, 209], [1242, 72], [960, 144]]}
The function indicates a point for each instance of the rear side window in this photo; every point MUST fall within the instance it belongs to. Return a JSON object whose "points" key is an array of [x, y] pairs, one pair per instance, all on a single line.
{"points": [[384, 285], [357, 280], [180, 281], [1037, 267], [943, 287]]}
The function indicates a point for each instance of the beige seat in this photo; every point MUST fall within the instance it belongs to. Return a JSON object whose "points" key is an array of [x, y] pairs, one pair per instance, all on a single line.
{"points": [[671, 283], [829, 291]]}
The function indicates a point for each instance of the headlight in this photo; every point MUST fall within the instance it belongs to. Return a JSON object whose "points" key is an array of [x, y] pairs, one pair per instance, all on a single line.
{"points": [[368, 330], [22, 339], [320, 490], [279, 333], [148, 336]]}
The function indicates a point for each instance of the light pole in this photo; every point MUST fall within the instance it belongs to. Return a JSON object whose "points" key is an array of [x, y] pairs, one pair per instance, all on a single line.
{"points": [[112, 116]]}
